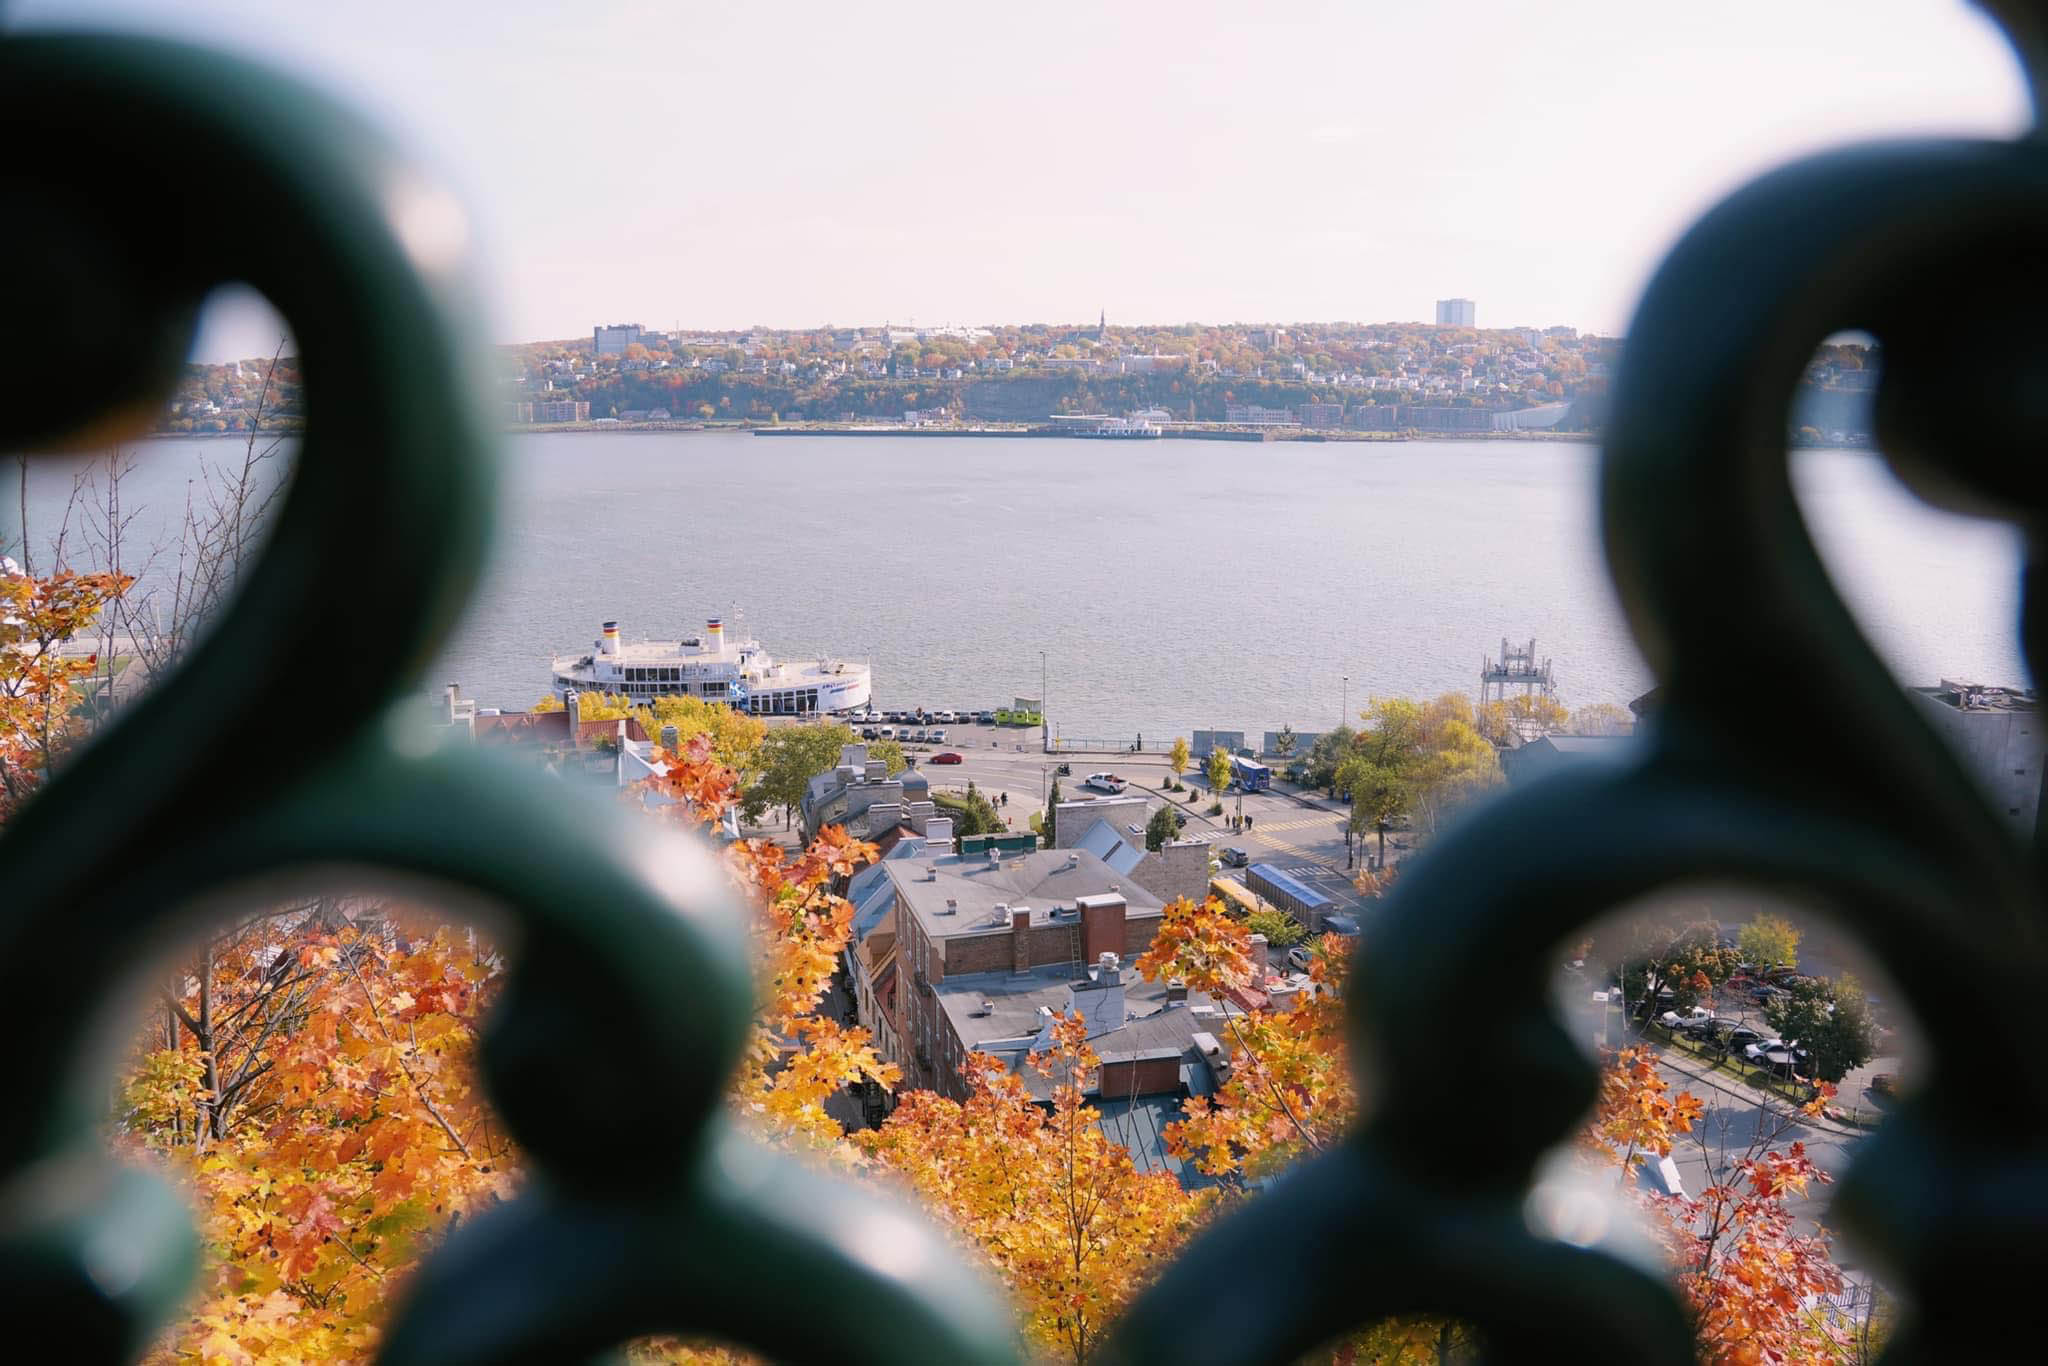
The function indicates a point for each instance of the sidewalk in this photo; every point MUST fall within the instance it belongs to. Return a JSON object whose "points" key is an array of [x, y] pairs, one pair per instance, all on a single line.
{"points": [[1678, 1060]]}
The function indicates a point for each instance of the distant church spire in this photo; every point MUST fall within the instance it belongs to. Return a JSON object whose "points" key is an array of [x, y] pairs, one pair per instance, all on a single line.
{"points": [[1102, 324]]}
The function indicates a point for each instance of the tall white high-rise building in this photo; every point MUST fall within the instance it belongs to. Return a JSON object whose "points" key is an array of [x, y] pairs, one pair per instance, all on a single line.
{"points": [[1457, 313]]}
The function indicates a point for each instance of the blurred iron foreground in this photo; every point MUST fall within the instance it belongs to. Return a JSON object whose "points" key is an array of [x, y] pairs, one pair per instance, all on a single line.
{"points": [[650, 1214]]}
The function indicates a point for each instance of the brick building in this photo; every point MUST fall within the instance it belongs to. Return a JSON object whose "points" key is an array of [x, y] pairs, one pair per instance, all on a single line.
{"points": [[1004, 911]]}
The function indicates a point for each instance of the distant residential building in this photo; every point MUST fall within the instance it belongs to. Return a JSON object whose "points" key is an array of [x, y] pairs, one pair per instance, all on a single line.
{"points": [[1457, 313], [860, 794], [1320, 414], [519, 412], [562, 410], [1999, 735], [613, 339], [1252, 415]]}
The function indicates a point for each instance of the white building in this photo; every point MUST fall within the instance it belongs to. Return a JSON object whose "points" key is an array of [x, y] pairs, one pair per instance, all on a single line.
{"points": [[1456, 313]]}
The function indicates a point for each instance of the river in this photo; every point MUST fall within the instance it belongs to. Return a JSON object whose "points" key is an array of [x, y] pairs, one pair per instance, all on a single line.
{"points": [[1169, 585]]}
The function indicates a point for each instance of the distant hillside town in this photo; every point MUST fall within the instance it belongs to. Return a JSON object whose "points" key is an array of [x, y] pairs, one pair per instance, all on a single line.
{"points": [[1446, 377]]}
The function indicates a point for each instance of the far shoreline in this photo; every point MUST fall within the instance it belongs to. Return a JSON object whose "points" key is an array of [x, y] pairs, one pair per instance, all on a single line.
{"points": [[993, 431]]}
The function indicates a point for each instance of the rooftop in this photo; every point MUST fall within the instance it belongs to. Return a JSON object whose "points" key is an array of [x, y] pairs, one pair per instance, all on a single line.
{"points": [[960, 893], [1978, 696]]}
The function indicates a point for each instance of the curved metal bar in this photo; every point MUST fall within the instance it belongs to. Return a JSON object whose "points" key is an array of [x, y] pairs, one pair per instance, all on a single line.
{"points": [[1854, 806], [630, 993]]}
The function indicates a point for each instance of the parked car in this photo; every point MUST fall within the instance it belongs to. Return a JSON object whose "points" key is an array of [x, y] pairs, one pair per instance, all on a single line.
{"points": [[946, 718], [946, 757], [886, 733], [986, 718], [938, 737], [1104, 782], [870, 733], [1343, 926], [1698, 1015], [1235, 858], [1764, 992], [1885, 1086], [1300, 956], [1739, 1038], [918, 736]]}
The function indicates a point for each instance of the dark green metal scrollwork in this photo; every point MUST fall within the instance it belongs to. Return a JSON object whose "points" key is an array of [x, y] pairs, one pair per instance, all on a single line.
{"points": [[1848, 803], [629, 995]]}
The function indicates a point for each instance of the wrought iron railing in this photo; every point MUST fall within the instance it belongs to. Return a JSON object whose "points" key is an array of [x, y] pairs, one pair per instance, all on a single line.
{"points": [[648, 1214]]}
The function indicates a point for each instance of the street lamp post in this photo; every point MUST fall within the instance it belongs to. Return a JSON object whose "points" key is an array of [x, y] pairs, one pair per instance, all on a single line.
{"points": [[1344, 713]]}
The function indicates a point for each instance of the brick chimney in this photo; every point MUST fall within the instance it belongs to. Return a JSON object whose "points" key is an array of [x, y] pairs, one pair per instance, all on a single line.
{"points": [[1020, 941], [573, 704], [1102, 925], [669, 740], [1262, 963]]}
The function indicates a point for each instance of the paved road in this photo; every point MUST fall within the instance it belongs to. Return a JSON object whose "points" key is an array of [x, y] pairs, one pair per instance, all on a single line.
{"points": [[1306, 841]]}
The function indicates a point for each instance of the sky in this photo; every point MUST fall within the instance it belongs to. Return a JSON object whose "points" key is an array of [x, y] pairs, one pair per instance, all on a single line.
{"points": [[793, 164]]}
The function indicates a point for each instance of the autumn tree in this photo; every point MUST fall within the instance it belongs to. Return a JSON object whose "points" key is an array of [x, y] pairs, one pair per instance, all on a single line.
{"points": [[1769, 941], [1217, 770], [1602, 718], [1055, 1205], [312, 1080], [1756, 1290], [1540, 710], [1288, 1090], [1666, 961], [1177, 757], [310, 1074], [41, 688]]}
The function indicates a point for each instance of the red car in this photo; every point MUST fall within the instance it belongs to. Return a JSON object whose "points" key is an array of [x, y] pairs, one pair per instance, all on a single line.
{"points": [[947, 757]]}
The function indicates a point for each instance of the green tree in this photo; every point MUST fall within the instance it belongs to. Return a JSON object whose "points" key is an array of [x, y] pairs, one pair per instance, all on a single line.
{"points": [[1283, 743], [1770, 941], [790, 757], [1218, 769], [890, 753], [1327, 755], [1177, 757], [1379, 794], [1163, 827], [1832, 1020], [972, 812], [1282, 930], [1052, 809]]}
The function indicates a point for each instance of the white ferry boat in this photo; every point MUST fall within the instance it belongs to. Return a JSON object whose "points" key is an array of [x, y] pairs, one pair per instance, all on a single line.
{"points": [[1125, 429], [736, 672]]}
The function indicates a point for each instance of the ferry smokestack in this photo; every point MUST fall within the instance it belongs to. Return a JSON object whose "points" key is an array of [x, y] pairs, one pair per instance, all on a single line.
{"points": [[609, 643], [714, 635]]}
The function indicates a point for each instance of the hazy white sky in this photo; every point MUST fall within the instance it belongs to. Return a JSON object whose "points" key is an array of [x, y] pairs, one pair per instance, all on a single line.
{"points": [[724, 164]]}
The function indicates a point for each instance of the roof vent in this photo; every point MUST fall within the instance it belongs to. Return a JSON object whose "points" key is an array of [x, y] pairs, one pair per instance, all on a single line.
{"points": [[1073, 859], [952, 907], [985, 1009], [931, 872], [1115, 888]]}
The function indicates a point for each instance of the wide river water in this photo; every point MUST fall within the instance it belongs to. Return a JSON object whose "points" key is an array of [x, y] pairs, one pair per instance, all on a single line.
{"points": [[1169, 585]]}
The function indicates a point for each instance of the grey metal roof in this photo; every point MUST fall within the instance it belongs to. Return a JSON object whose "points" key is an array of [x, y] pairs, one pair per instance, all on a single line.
{"points": [[1103, 841], [1040, 880]]}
